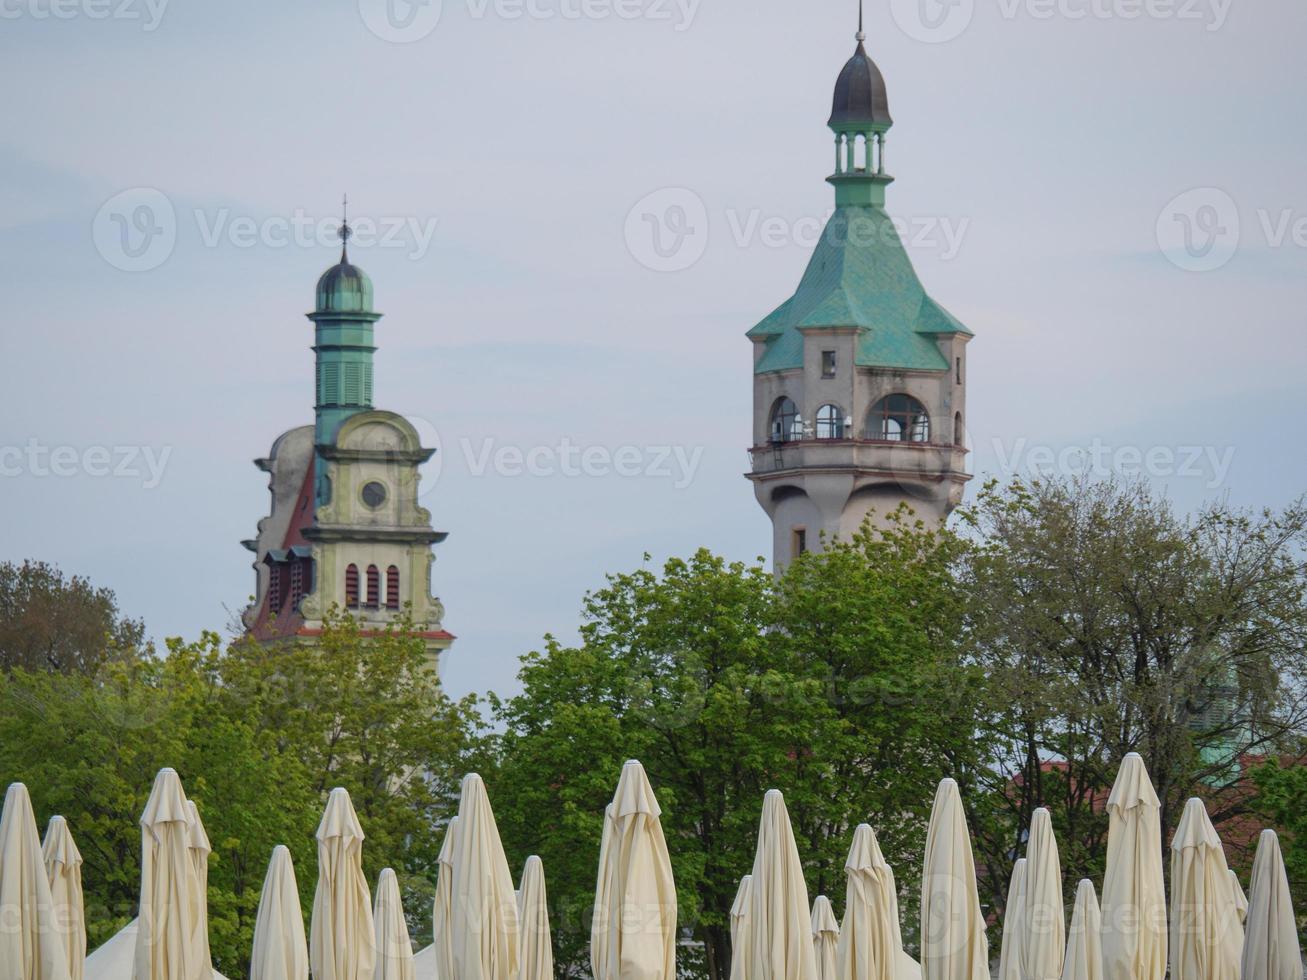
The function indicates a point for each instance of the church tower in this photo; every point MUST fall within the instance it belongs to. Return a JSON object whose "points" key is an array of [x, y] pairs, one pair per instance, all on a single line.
{"points": [[859, 378], [346, 528]]}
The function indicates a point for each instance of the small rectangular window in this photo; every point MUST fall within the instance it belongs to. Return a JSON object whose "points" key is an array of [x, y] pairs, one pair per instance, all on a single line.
{"points": [[800, 541], [959, 370], [828, 364]]}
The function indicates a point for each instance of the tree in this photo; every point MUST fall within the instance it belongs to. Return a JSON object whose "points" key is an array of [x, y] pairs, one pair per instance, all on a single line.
{"points": [[1282, 798], [1108, 624], [50, 622], [726, 682]]}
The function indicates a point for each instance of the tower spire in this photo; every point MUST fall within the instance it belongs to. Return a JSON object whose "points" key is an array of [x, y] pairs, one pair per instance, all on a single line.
{"points": [[861, 35], [345, 230]]}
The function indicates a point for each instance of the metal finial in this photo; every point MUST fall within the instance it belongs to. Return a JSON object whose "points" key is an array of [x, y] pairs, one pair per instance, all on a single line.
{"points": [[861, 35], [345, 231]]}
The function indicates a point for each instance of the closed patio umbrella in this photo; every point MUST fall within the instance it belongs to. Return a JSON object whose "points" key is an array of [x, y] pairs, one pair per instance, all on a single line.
{"points": [[1084, 952], [63, 869], [1134, 896], [1270, 949], [1009, 954], [280, 951], [953, 942], [342, 934], [635, 903], [869, 943], [31, 943], [1240, 899], [536, 956], [599, 932], [394, 948], [740, 911], [825, 938], [200, 850], [1043, 936], [171, 922], [442, 908], [483, 920], [1206, 936]]}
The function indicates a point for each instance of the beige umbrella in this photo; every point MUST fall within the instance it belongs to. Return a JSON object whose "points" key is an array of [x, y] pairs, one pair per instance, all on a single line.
{"points": [[825, 938], [394, 948], [483, 921], [1043, 935], [31, 943], [780, 928], [599, 934], [1084, 953], [906, 967], [536, 954], [1009, 954], [953, 943], [442, 909], [279, 952], [171, 922], [63, 869], [740, 912], [200, 851], [1270, 951], [1134, 896], [342, 936], [869, 943], [1206, 937], [638, 910], [1240, 899]]}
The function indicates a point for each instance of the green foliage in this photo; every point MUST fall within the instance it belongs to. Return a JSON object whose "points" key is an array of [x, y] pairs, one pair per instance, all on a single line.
{"points": [[1282, 798], [259, 735]]}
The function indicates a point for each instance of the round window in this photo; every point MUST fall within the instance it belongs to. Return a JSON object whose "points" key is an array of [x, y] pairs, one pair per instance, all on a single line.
{"points": [[374, 493]]}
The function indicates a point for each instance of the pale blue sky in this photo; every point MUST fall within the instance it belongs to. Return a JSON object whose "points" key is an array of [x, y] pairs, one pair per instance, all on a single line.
{"points": [[1036, 152]]}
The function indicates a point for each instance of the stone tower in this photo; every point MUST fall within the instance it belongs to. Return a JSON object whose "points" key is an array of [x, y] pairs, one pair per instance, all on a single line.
{"points": [[346, 527], [859, 378]]}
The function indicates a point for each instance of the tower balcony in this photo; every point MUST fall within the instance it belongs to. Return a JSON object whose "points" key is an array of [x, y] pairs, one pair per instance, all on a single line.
{"points": [[926, 462]]}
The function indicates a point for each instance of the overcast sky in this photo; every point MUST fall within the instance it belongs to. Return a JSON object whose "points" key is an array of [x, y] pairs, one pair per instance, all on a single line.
{"points": [[1110, 193]]}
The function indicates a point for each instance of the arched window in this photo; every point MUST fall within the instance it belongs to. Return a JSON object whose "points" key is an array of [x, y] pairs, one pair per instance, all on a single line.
{"points": [[374, 587], [392, 587], [352, 587], [784, 421], [898, 418], [830, 422]]}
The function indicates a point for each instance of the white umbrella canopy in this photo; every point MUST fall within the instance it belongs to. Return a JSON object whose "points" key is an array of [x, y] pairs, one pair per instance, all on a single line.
{"points": [[1240, 899], [869, 941], [635, 897], [1206, 935], [483, 919], [1009, 954], [1084, 953], [1270, 949], [1043, 934], [825, 938], [740, 911], [279, 951], [599, 932], [536, 955], [169, 943], [63, 869], [200, 851], [394, 948], [342, 935], [441, 950], [31, 943], [116, 958], [953, 942], [779, 933], [1134, 896]]}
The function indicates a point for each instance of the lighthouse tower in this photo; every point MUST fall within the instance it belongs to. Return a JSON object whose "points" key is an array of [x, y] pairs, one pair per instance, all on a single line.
{"points": [[859, 378]]}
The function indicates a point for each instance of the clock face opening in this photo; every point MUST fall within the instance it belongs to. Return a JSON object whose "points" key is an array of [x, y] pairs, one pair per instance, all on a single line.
{"points": [[374, 494]]}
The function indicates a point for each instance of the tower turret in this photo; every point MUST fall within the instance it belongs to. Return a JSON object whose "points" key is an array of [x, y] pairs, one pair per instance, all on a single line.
{"points": [[860, 119]]}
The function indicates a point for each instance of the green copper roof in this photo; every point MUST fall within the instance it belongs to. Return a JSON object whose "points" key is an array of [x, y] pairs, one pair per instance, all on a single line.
{"points": [[860, 276], [344, 288]]}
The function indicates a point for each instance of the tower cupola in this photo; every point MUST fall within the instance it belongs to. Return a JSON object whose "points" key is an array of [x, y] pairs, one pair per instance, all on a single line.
{"points": [[860, 119]]}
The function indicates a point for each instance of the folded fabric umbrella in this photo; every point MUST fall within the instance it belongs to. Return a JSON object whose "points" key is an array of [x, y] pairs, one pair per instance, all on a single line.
{"points": [[869, 941], [1084, 953], [536, 956], [1009, 954], [637, 892], [1134, 896], [116, 958], [342, 935], [394, 948], [825, 938], [483, 921], [780, 925], [169, 944], [740, 911], [1206, 936], [279, 952], [200, 851], [63, 869], [442, 908], [953, 942], [1043, 935], [1270, 949], [1240, 899], [599, 931], [31, 941]]}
